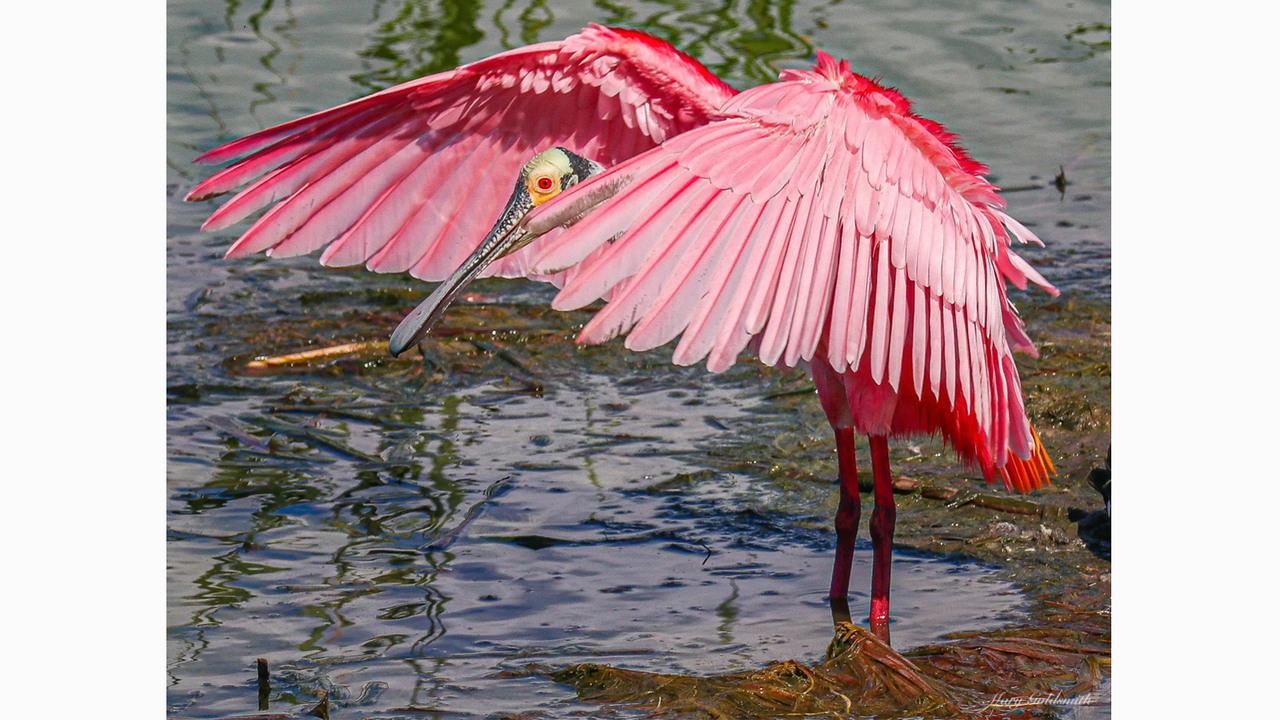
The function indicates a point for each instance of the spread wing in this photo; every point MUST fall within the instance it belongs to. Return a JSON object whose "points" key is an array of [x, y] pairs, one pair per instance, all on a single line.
{"points": [[411, 178], [816, 215]]}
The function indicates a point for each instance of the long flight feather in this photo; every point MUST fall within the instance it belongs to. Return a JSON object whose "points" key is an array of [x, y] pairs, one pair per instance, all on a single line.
{"points": [[733, 335], [670, 313], [709, 316]]}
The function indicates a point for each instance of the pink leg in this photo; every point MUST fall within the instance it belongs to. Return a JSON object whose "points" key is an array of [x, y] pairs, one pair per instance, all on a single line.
{"points": [[835, 403], [847, 516], [883, 518]]}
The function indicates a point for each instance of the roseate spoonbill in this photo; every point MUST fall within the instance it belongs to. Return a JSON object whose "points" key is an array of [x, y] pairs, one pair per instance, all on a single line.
{"points": [[816, 219]]}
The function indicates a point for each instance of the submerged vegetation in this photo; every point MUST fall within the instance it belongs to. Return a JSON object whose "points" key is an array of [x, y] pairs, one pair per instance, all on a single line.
{"points": [[1017, 672]]}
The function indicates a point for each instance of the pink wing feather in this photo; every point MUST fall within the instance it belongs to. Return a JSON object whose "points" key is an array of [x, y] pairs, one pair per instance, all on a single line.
{"points": [[820, 218], [411, 178]]}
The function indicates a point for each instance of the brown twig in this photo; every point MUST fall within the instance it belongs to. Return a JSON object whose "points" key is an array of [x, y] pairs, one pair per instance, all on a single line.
{"points": [[267, 363]]}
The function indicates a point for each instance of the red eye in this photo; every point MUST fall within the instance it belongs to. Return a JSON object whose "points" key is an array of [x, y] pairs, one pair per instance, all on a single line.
{"points": [[544, 184]]}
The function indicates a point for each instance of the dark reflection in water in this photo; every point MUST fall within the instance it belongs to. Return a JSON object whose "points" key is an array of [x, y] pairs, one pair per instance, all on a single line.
{"points": [[395, 532], [416, 38], [735, 40]]}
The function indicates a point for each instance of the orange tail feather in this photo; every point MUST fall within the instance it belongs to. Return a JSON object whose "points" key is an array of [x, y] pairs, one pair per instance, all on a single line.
{"points": [[1032, 474]]}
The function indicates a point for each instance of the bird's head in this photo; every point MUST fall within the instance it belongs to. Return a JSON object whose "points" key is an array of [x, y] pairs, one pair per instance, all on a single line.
{"points": [[551, 172], [545, 176]]}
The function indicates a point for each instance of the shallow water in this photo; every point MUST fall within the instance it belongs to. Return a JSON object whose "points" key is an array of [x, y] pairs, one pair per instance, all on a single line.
{"points": [[576, 550], [398, 532]]}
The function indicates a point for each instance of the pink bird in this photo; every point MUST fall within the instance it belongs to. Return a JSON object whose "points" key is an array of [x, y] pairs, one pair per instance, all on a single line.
{"points": [[816, 221]]}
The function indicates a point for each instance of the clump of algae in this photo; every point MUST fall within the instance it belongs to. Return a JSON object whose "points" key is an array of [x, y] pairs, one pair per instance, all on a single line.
{"points": [[1023, 671]]}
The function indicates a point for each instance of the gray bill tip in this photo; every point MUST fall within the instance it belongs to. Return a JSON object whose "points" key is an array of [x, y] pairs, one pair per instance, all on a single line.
{"points": [[406, 335], [413, 327]]}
